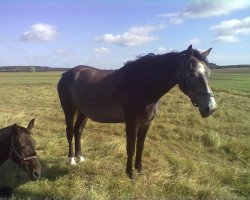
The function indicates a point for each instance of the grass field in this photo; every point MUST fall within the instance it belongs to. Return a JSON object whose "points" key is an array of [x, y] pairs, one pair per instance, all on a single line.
{"points": [[236, 81], [185, 156]]}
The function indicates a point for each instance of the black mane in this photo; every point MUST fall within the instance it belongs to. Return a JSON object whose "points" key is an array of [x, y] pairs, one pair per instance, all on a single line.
{"points": [[141, 59], [153, 57]]}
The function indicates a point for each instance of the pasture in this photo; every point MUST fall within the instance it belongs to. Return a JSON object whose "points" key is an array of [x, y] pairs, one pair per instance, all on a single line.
{"points": [[185, 156]]}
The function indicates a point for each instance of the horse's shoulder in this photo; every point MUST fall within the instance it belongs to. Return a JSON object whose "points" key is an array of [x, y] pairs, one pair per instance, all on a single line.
{"points": [[5, 129]]}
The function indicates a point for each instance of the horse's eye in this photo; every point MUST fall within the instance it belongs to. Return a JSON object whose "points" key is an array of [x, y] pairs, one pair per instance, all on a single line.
{"points": [[34, 143], [20, 147], [192, 75]]}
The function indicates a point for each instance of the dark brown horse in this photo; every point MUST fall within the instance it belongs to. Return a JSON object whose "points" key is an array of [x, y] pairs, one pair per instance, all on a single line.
{"points": [[130, 94], [17, 144]]}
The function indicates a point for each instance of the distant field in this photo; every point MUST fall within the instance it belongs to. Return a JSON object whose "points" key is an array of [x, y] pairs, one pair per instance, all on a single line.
{"points": [[29, 78], [185, 156], [232, 80]]}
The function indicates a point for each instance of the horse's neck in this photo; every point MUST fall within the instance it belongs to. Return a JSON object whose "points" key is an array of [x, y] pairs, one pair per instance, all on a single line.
{"points": [[165, 79], [149, 81], [5, 140]]}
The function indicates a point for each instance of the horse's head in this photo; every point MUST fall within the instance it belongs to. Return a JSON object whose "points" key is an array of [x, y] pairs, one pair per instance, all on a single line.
{"points": [[23, 150], [194, 81]]}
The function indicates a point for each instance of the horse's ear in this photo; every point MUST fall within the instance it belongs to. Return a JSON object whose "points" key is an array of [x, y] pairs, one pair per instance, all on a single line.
{"points": [[207, 52], [189, 52], [15, 128], [31, 124]]}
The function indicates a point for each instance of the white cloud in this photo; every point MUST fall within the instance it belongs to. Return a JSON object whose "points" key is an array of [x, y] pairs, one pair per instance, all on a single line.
{"points": [[162, 49], [40, 32], [194, 41], [63, 52], [206, 9], [175, 20], [226, 39], [100, 50], [134, 36], [229, 31]]}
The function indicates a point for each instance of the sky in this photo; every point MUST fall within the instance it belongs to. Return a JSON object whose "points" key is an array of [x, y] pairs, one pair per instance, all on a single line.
{"points": [[108, 33]]}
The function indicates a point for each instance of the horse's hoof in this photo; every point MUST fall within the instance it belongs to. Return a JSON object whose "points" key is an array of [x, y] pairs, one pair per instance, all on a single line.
{"points": [[130, 175], [81, 158], [72, 161], [138, 167]]}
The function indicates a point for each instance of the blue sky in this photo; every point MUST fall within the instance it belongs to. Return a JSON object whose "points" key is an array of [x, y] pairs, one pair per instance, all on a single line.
{"points": [[107, 33]]}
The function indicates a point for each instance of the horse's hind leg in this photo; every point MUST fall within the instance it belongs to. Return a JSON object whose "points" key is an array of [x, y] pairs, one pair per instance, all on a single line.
{"points": [[69, 119], [69, 111], [78, 129]]}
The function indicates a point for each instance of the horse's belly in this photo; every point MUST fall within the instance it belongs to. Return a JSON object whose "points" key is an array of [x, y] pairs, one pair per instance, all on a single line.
{"points": [[111, 114], [100, 104]]}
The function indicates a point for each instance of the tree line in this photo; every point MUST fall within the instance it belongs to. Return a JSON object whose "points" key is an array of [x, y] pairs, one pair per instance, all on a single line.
{"points": [[47, 69], [30, 69]]}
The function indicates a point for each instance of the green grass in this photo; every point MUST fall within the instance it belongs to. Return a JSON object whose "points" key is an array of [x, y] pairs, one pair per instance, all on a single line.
{"points": [[236, 81], [185, 156]]}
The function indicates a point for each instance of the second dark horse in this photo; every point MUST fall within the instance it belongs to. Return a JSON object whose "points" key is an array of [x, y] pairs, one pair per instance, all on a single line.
{"points": [[131, 94], [17, 144]]}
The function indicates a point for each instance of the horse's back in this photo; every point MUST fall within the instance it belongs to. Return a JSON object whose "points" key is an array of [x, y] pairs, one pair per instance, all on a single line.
{"points": [[94, 92], [83, 78], [83, 73]]}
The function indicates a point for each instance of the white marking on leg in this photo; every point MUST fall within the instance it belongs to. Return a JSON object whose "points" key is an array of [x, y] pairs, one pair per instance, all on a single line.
{"points": [[72, 161], [81, 158]]}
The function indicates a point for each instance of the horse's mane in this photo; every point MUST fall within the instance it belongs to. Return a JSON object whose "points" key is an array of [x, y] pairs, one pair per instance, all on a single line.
{"points": [[141, 59], [148, 58], [152, 57]]}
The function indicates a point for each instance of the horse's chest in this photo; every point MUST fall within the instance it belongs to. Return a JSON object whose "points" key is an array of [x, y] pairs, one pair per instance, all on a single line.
{"points": [[147, 114], [139, 112]]}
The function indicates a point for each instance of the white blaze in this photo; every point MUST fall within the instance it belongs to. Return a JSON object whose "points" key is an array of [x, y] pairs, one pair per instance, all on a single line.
{"points": [[201, 68]]}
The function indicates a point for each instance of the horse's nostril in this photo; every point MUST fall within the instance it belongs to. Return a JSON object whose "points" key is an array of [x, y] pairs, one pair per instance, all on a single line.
{"points": [[207, 109], [36, 174], [211, 111]]}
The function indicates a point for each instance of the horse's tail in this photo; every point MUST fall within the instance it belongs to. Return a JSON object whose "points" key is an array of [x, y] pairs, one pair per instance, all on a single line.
{"points": [[64, 87]]}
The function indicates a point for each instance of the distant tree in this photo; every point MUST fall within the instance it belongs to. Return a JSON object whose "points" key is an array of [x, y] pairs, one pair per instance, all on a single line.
{"points": [[32, 69]]}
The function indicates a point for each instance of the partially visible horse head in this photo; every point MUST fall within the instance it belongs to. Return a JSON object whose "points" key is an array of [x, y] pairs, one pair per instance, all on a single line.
{"points": [[23, 150], [194, 81]]}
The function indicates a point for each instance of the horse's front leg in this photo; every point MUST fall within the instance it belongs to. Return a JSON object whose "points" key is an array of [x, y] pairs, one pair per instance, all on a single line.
{"points": [[131, 132], [141, 135]]}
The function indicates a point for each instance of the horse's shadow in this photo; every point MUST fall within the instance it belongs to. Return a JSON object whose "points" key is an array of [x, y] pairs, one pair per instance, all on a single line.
{"points": [[11, 177]]}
